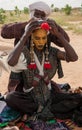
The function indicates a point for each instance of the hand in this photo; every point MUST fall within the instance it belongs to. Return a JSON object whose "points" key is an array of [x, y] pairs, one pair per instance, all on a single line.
{"points": [[31, 27], [54, 29]]}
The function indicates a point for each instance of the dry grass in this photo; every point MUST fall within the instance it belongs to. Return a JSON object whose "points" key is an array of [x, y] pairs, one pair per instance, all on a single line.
{"points": [[68, 22], [72, 22]]}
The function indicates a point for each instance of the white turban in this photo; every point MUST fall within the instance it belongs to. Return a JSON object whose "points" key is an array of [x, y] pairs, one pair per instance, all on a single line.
{"points": [[42, 6]]}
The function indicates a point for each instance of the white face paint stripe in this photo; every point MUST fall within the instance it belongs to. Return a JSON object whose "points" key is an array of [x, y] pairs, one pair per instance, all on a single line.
{"points": [[39, 66]]}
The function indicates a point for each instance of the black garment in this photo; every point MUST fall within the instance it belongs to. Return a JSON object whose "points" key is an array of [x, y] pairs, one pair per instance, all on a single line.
{"points": [[77, 117], [22, 102], [64, 104], [1, 97], [61, 105]]}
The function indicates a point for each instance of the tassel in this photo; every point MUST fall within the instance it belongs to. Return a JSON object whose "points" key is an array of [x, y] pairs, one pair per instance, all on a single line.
{"points": [[47, 65], [32, 65]]}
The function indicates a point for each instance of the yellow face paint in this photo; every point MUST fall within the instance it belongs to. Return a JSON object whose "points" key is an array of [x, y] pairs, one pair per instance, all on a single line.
{"points": [[39, 38]]}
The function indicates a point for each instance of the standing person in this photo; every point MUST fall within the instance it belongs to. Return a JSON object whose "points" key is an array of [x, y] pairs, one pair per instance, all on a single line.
{"points": [[15, 30], [37, 10], [41, 65]]}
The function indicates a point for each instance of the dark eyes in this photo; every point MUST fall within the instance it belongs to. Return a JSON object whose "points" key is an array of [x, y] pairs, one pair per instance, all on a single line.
{"points": [[39, 14], [38, 38], [44, 38]]}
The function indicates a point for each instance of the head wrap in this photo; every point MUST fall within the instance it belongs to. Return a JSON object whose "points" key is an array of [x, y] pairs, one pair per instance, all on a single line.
{"points": [[42, 6]]}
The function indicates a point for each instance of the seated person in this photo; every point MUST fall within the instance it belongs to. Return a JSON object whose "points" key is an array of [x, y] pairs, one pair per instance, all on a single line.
{"points": [[40, 64]]}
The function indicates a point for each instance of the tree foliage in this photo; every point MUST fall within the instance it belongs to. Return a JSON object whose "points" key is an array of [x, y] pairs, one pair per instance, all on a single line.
{"points": [[26, 10], [67, 9], [17, 11], [2, 15]]}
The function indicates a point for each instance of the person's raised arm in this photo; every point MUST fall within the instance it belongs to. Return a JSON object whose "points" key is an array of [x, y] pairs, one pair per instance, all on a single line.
{"points": [[15, 54], [13, 30], [55, 39], [69, 54]]}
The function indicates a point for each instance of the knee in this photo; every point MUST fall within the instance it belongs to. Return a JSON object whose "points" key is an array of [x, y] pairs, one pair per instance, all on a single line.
{"points": [[9, 98]]}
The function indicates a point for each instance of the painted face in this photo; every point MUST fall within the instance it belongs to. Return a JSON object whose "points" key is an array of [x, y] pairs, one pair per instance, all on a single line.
{"points": [[39, 37]]}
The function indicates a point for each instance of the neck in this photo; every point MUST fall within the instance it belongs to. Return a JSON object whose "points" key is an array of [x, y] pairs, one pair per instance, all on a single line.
{"points": [[38, 51]]}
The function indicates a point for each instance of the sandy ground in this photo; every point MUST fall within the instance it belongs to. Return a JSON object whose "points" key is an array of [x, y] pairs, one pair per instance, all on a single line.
{"points": [[72, 71]]}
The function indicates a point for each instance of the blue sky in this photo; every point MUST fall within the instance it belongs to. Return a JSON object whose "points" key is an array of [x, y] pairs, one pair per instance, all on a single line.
{"points": [[10, 4]]}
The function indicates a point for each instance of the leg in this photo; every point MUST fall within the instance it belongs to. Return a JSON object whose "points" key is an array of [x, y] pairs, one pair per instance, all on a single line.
{"points": [[22, 102]]}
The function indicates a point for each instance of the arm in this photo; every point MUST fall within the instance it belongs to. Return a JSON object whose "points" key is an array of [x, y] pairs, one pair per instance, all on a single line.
{"points": [[55, 39], [15, 54], [69, 54], [14, 30]]}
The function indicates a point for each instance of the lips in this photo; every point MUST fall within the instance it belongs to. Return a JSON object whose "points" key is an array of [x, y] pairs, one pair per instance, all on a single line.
{"points": [[40, 46]]}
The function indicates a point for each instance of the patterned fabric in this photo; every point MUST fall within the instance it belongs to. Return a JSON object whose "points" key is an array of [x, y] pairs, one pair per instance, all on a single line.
{"points": [[40, 125], [42, 92], [70, 124], [10, 118], [8, 114]]}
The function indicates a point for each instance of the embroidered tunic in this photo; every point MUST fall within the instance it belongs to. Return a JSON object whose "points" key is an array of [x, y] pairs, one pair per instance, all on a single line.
{"points": [[41, 90], [36, 90]]}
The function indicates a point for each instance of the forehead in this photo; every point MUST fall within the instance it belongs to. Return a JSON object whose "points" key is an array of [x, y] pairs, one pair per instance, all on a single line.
{"points": [[40, 32]]}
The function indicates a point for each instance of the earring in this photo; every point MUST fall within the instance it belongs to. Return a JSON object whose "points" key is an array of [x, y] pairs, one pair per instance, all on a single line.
{"points": [[47, 64], [32, 64]]}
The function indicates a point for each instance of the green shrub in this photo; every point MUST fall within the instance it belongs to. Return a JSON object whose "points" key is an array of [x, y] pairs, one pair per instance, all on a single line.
{"points": [[2, 16], [67, 9], [26, 10]]}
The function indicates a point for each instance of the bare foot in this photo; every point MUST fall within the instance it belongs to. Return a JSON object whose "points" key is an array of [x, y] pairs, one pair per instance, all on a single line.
{"points": [[11, 128]]}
